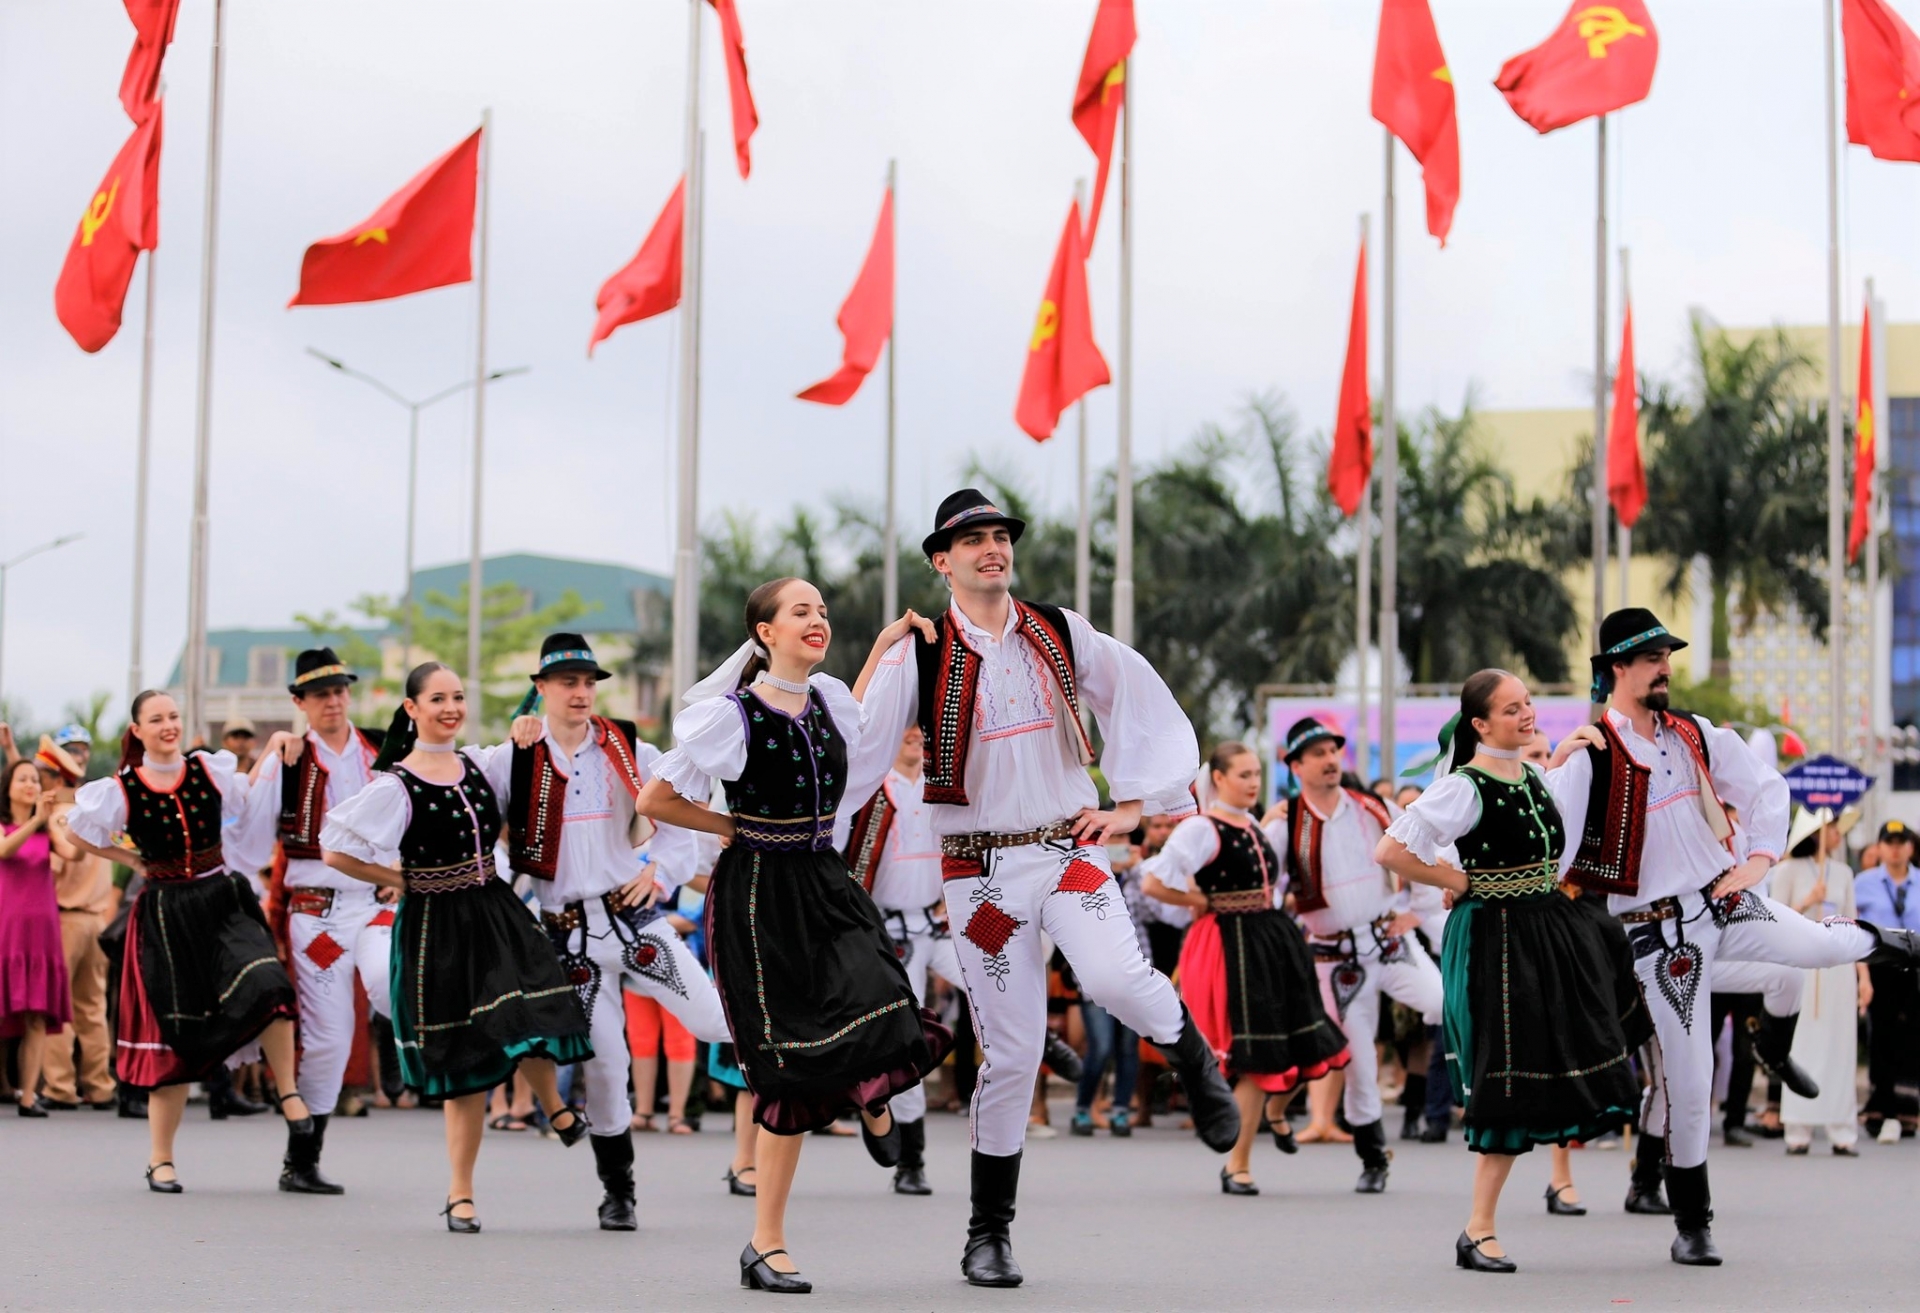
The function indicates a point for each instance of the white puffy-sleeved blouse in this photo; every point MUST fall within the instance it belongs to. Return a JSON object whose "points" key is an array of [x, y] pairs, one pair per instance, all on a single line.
{"points": [[710, 743], [100, 806], [1437, 819]]}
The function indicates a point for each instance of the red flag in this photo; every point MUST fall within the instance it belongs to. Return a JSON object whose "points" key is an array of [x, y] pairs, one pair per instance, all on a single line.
{"points": [[1864, 444], [1413, 96], [745, 117], [1352, 461], [1883, 80], [1626, 476], [649, 284], [1598, 60], [152, 33], [1063, 363], [121, 220], [866, 317], [1102, 92], [422, 237]]}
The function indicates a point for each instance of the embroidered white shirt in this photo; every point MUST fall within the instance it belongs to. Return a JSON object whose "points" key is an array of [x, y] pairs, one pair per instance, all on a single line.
{"points": [[1358, 890], [253, 839], [908, 876]]}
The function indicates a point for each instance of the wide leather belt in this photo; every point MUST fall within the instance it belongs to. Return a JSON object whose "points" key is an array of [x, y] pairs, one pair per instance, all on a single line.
{"points": [[450, 879], [984, 841], [190, 867], [310, 902], [1238, 902], [1664, 909]]}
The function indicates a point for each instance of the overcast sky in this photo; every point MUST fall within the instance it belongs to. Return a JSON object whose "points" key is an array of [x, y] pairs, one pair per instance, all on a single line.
{"points": [[1255, 152]]}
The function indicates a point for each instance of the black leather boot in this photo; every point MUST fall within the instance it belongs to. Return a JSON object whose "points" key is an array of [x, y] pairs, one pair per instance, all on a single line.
{"points": [[1773, 1050], [1692, 1215], [1060, 1058], [1216, 1117], [613, 1160], [1649, 1166], [1370, 1142], [300, 1169], [988, 1260], [910, 1177], [1898, 948]]}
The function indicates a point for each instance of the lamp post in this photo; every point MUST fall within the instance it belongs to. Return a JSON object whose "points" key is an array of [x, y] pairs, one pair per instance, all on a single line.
{"points": [[413, 463], [5, 566]]}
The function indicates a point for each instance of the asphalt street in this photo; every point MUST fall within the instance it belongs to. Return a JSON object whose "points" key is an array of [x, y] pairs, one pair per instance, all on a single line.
{"points": [[1104, 1225]]}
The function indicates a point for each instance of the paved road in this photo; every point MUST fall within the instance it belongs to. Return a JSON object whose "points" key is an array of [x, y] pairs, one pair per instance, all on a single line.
{"points": [[1105, 1225]]}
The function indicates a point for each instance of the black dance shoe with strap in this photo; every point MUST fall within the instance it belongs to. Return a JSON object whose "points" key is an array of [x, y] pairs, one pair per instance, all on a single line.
{"points": [[1230, 1183], [460, 1225], [736, 1186], [1558, 1207], [171, 1186], [1466, 1253], [576, 1128], [883, 1149], [758, 1274]]}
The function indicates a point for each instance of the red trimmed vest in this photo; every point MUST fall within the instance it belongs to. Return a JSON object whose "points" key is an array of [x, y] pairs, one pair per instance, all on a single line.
{"points": [[867, 840], [303, 799], [537, 806], [176, 831], [1615, 827], [1306, 881], [949, 673]]}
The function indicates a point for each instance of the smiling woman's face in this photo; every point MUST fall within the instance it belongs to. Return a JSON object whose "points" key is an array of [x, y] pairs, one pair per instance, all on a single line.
{"points": [[440, 708], [799, 630]]}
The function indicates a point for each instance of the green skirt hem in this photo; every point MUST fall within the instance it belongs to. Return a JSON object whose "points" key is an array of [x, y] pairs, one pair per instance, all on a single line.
{"points": [[563, 1051], [1511, 1140]]}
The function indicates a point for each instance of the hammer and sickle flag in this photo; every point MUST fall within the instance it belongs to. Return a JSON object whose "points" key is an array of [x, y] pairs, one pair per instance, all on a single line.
{"points": [[120, 219], [1599, 59], [1883, 80], [1413, 97], [1063, 363], [421, 237], [1101, 93]]}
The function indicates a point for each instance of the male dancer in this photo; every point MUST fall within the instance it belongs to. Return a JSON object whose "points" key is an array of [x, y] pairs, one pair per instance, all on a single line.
{"points": [[1360, 926], [1649, 814], [330, 916], [566, 785], [999, 695]]}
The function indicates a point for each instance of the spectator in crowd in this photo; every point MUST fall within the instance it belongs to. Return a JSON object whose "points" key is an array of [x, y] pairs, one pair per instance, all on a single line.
{"points": [[237, 737], [1817, 884], [34, 998], [1885, 898], [84, 891], [1408, 795]]}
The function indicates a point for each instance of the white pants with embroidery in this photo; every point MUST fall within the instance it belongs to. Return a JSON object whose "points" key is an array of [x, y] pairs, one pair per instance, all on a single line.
{"points": [[1407, 976], [328, 951], [1679, 965], [998, 917]]}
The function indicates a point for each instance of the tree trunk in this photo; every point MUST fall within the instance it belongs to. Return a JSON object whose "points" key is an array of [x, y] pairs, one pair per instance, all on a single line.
{"points": [[1722, 668]]}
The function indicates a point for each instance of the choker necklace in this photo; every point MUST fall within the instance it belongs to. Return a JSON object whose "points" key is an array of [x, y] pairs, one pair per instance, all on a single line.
{"points": [[784, 685], [436, 747], [1498, 754], [166, 769]]}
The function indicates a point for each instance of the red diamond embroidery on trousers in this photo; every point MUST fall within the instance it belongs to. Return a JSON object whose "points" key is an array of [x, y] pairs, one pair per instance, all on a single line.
{"points": [[324, 952], [989, 929], [1081, 877]]}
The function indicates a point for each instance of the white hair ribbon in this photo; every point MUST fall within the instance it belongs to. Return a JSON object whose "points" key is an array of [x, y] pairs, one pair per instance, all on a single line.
{"points": [[726, 678]]}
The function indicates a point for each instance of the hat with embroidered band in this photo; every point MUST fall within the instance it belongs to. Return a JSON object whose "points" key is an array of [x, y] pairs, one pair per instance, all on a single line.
{"points": [[1306, 732], [562, 654], [967, 509], [318, 668], [1624, 634]]}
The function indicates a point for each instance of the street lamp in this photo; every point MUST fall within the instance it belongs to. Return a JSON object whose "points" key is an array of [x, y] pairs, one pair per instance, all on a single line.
{"points": [[5, 566], [413, 462]]}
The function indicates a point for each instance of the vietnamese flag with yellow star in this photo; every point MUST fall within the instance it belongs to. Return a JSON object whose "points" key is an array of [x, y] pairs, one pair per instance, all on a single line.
{"points": [[1102, 92], [1865, 442], [1413, 96], [1063, 363], [421, 237], [1598, 60], [121, 220]]}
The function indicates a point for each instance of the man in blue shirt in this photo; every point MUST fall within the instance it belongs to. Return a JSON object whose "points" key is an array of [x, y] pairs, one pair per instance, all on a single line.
{"points": [[1887, 896]]}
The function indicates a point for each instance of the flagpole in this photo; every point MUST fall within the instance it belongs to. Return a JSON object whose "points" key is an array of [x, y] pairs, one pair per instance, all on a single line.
{"points": [[1600, 505], [143, 463], [196, 672], [889, 541], [1836, 473], [475, 583], [686, 556], [1363, 595], [1123, 462], [1878, 625], [1083, 524], [1389, 452], [1625, 530]]}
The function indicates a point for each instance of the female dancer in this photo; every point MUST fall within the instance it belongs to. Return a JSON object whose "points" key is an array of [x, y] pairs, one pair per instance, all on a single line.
{"points": [[1245, 970], [1542, 1005], [202, 977], [34, 994], [823, 1017], [483, 994]]}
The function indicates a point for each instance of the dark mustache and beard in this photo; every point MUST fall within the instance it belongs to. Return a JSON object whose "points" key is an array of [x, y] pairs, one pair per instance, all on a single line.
{"points": [[1655, 698]]}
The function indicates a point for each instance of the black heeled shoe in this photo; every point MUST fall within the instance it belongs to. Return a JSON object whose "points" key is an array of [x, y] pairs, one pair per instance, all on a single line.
{"points": [[35, 1109], [576, 1129], [460, 1225], [883, 1149], [1466, 1253], [164, 1187], [757, 1274], [1230, 1186], [735, 1185], [1281, 1130], [1558, 1207]]}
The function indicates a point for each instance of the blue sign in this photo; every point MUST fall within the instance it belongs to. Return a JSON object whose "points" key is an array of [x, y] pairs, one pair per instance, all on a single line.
{"points": [[1827, 782]]}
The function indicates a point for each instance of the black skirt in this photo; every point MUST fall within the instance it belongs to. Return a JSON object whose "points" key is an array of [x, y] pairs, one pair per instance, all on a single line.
{"points": [[824, 1022], [1543, 1012], [476, 988], [1250, 982], [204, 979]]}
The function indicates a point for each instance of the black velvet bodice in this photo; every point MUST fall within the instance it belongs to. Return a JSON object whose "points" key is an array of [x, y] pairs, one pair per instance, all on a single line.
{"points": [[789, 790]]}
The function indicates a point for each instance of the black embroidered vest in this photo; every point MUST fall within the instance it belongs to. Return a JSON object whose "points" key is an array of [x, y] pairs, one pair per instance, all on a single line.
{"points": [[1614, 830], [537, 799], [789, 791], [1306, 881], [177, 832], [448, 844], [303, 799], [1239, 879], [1514, 848]]}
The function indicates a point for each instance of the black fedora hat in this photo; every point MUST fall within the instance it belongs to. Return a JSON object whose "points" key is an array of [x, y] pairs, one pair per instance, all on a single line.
{"points": [[967, 509], [563, 653], [1306, 732], [318, 668], [1624, 634]]}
